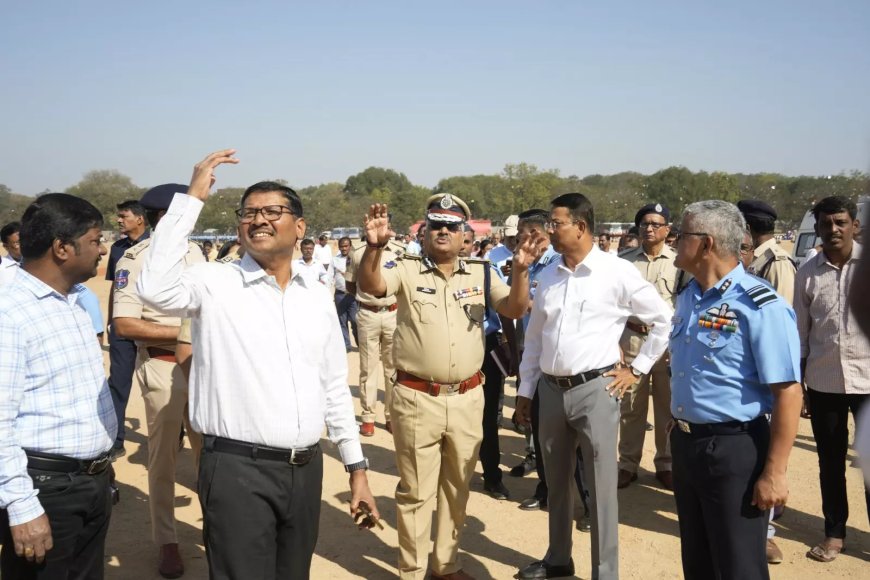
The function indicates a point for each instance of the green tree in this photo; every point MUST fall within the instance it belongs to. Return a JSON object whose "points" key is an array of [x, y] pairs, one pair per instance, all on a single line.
{"points": [[367, 181], [106, 188]]}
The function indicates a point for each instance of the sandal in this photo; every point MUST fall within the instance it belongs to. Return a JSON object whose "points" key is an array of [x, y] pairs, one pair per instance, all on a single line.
{"points": [[824, 552]]}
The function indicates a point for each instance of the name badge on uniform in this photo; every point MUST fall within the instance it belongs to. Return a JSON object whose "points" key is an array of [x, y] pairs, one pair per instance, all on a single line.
{"points": [[468, 292], [122, 278], [425, 290]]}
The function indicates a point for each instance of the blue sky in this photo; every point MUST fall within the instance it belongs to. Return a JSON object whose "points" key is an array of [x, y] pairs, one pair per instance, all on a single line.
{"points": [[316, 91]]}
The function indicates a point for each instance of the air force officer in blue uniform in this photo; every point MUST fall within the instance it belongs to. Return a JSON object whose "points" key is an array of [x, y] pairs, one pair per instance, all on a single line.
{"points": [[734, 363]]}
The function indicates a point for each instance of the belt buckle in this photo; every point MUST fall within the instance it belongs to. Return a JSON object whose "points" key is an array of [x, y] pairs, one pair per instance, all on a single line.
{"points": [[684, 426], [451, 389], [97, 466], [564, 382], [294, 456]]}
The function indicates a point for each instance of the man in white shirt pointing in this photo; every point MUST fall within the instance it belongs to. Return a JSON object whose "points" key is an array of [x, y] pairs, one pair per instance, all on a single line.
{"points": [[269, 369], [571, 357]]}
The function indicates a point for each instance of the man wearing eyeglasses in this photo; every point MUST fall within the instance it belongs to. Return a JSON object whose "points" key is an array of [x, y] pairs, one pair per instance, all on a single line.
{"points": [[164, 388], [571, 359], [268, 371], [735, 361], [769, 260], [655, 261], [437, 407]]}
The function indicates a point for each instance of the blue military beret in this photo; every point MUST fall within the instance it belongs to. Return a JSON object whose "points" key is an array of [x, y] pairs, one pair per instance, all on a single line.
{"points": [[652, 208], [160, 197], [757, 209]]}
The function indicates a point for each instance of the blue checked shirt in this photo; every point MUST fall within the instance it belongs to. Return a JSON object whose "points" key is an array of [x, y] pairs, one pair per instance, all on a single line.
{"points": [[54, 397]]}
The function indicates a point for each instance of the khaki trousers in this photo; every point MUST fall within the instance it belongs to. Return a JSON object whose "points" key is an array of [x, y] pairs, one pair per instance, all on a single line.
{"points": [[437, 440], [165, 392], [375, 330], [632, 422]]}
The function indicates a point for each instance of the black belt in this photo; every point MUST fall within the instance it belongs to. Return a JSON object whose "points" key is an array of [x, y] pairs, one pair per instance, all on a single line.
{"points": [[63, 464], [726, 428], [299, 456], [571, 382]]}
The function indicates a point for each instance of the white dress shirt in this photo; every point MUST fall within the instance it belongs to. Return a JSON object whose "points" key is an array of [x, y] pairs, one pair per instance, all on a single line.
{"points": [[269, 366], [313, 270], [323, 254], [578, 317]]}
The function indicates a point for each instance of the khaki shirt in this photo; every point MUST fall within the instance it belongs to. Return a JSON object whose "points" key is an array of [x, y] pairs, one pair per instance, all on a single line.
{"points": [[127, 303], [184, 332], [661, 272], [390, 254], [439, 326], [774, 265]]}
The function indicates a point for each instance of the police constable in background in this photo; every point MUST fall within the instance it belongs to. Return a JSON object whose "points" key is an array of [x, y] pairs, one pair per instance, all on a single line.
{"points": [[769, 260], [734, 360], [122, 352], [164, 387], [655, 261], [375, 324], [437, 407]]}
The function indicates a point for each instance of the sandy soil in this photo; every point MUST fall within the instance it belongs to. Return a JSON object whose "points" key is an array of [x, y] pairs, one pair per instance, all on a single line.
{"points": [[498, 538]]}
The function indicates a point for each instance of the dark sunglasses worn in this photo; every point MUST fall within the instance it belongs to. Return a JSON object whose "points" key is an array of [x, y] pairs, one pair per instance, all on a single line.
{"points": [[451, 226]]}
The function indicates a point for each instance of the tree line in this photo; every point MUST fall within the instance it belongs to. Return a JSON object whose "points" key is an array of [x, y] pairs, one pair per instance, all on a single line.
{"points": [[519, 186]]}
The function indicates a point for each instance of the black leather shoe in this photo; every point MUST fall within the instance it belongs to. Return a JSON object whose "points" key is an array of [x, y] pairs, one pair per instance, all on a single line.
{"points": [[533, 503], [496, 490], [584, 524], [541, 569]]}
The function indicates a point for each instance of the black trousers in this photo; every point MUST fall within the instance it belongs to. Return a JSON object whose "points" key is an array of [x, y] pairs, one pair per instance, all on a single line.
{"points": [[78, 508], [493, 390], [830, 422], [542, 490], [122, 360], [260, 517], [722, 534]]}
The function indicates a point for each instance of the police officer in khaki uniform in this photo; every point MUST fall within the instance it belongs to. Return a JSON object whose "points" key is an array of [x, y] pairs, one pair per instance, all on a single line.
{"points": [[769, 260], [655, 261], [376, 323], [437, 407], [164, 387]]}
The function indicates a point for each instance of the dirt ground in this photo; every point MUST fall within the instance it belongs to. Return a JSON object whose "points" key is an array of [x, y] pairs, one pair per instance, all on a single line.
{"points": [[498, 537]]}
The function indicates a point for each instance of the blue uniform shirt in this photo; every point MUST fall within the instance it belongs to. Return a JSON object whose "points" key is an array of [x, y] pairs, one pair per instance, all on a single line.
{"points": [[728, 345], [534, 271], [117, 250], [492, 323]]}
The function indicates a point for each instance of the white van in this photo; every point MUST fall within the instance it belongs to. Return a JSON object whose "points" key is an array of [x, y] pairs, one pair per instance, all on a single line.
{"points": [[806, 237]]}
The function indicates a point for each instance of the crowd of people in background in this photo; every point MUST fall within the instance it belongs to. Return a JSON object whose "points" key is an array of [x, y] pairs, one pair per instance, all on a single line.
{"points": [[713, 323]]}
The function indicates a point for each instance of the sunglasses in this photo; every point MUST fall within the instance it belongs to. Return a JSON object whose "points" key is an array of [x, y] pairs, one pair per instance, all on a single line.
{"points": [[452, 227]]}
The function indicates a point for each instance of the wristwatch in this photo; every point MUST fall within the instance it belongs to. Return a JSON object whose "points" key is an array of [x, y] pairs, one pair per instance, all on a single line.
{"points": [[364, 464], [635, 372]]}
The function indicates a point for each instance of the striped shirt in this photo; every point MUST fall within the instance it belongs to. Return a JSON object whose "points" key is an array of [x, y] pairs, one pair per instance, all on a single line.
{"points": [[54, 397], [837, 352]]}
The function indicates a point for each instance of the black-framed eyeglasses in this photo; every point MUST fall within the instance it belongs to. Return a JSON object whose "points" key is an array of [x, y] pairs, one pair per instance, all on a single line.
{"points": [[746, 248], [681, 235], [452, 227], [654, 225], [270, 212], [557, 225]]}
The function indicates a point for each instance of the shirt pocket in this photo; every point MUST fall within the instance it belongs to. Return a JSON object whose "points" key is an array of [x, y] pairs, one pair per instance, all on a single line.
{"points": [[714, 340], [424, 309]]}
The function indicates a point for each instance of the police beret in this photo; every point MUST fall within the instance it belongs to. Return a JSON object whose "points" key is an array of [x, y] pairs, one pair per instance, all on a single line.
{"points": [[757, 209], [652, 208], [446, 207], [161, 196]]}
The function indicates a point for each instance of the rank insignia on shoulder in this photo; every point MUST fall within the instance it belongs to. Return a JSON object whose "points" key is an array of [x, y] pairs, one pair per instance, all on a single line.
{"points": [[761, 295], [468, 292], [122, 278], [425, 290], [390, 264]]}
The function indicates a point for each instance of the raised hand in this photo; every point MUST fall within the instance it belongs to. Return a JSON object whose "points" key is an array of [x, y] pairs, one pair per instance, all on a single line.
{"points": [[203, 173], [377, 225], [529, 248]]}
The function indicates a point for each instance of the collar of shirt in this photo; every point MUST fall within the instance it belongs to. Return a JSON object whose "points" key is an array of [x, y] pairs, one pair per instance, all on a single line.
{"points": [[666, 253], [428, 265], [735, 277], [252, 272], [759, 251], [40, 289], [592, 259], [822, 259]]}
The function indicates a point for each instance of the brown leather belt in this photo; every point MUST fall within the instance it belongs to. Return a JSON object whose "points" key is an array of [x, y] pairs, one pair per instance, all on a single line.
{"points": [[638, 328], [435, 389], [370, 308], [160, 354]]}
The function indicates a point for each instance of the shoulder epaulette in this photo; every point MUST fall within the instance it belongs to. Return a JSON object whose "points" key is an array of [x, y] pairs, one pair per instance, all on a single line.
{"points": [[761, 295], [138, 249], [476, 260], [407, 256]]}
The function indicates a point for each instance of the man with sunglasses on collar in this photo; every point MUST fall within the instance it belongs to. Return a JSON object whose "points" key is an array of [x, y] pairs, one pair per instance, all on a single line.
{"points": [[437, 407]]}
